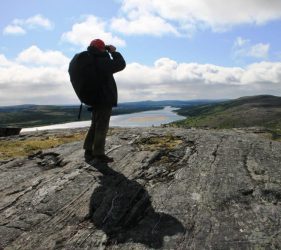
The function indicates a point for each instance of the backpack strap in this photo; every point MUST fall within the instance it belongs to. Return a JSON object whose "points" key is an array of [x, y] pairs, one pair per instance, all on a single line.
{"points": [[80, 111]]}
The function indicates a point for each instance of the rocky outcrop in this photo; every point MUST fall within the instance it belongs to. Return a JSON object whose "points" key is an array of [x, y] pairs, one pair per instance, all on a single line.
{"points": [[9, 131], [167, 189]]}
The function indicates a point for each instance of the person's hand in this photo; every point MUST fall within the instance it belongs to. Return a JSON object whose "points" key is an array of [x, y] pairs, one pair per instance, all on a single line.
{"points": [[111, 48]]}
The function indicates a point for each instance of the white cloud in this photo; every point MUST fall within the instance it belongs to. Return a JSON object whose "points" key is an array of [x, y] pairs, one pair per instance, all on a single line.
{"points": [[34, 56], [92, 27], [19, 26], [39, 21], [185, 16], [35, 76], [239, 42], [259, 50], [263, 72], [168, 79], [13, 30], [244, 48], [47, 80], [145, 24], [167, 71], [4, 62]]}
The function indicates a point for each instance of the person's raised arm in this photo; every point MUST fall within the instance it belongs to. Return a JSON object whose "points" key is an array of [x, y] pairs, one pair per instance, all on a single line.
{"points": [[116, 64]]}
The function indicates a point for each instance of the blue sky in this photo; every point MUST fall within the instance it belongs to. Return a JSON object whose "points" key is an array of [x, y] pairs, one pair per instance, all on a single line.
{"points": [[185, 49]]}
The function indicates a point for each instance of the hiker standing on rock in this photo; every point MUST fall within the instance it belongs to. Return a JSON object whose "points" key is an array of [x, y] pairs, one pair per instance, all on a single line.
{"points": [[105, 98]]}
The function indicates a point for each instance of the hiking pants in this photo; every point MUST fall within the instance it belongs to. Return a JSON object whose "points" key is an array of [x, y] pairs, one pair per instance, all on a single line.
{"points": [[95, 139]]}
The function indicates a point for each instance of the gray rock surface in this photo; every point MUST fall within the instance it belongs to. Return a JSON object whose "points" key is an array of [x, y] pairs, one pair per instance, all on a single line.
{"points": [[167, 189]]}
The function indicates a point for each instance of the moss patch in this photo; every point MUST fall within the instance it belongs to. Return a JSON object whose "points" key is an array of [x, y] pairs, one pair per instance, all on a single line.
{"points": [[162, 142], [16, 148]]}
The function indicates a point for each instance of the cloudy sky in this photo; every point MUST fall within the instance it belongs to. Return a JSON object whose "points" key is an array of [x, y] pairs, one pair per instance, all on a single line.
{"points": [[183, 49]]}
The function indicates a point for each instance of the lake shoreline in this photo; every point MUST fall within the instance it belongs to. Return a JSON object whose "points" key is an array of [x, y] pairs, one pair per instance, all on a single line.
{"points": [[139, 119]]}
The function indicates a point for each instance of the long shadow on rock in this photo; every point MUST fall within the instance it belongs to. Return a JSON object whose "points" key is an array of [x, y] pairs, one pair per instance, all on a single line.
{"points": [[122, 209]]}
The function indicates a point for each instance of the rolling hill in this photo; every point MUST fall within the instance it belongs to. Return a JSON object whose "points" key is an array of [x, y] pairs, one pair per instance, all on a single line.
{"points": [[251, 111]]}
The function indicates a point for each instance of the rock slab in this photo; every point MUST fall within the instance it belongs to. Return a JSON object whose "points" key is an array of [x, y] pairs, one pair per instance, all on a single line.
{"points": [[168, 188]]}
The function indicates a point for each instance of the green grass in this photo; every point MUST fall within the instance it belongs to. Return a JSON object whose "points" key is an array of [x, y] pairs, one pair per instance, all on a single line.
{"points": [[16, 148], [259, 111]]}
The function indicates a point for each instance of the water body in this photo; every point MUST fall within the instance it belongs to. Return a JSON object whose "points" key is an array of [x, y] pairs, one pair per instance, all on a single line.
{"points": [[140, 119]]}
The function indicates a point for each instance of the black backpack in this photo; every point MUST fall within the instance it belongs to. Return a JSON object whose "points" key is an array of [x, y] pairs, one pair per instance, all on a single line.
{"points": [[83, 76]]}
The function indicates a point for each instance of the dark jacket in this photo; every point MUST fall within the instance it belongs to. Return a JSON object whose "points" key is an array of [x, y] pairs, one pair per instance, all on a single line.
{"points": [[106, 66]]}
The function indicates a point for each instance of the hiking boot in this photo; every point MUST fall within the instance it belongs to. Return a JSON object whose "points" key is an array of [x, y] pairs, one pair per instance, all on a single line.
{"points": [[103, 158]]}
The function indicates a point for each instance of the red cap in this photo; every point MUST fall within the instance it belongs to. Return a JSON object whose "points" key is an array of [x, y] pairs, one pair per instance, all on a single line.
{"points": [[98, 43]]}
